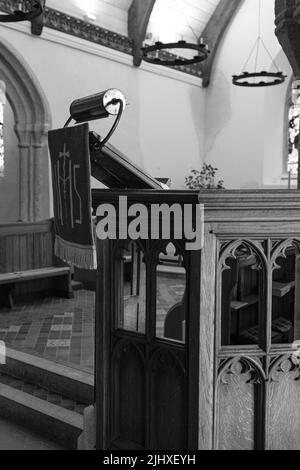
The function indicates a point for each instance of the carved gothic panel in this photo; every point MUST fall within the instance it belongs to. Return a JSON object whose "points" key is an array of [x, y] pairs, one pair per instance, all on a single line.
{"points": [[239, 388], [284, 405], [242, 294], [285, 293]]}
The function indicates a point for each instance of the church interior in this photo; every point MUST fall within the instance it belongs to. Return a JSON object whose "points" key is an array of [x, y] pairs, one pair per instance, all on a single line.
{"points": [[145, 343]]}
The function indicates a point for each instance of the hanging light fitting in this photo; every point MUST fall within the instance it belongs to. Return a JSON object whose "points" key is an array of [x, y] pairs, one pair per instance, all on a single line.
{"points": [[257, 78], [27, 10], [160, 53], [151, 53]]}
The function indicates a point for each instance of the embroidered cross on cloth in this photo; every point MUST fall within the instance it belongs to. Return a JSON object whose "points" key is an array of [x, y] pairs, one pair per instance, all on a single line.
{"points": [[71, 182]]}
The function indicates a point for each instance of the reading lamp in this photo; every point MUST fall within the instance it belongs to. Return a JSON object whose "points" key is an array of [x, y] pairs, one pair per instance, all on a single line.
{"points": [[99, 106]]}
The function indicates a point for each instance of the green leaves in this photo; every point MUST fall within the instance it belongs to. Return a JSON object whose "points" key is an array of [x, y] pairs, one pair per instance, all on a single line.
{"points": [[204, 179]]}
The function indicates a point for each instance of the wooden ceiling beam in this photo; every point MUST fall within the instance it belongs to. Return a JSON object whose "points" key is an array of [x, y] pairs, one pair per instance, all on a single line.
{"points": [[138, 20], [38, 23], [214, 32], [288, 31]]}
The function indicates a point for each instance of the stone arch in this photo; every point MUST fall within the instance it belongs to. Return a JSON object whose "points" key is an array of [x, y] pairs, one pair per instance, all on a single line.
{"points": [[274, 131], [32, 122]]}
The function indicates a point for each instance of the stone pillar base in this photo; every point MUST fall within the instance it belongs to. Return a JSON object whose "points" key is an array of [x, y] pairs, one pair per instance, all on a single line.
{"points": [[87, 440]]}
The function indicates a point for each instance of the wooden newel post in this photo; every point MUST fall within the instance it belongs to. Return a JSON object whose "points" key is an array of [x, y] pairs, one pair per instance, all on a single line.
{"points": [[288, 33]]}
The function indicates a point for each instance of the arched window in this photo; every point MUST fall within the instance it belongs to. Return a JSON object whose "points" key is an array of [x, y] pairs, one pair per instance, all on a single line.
{"points": [[293, 129], [2, 102]]}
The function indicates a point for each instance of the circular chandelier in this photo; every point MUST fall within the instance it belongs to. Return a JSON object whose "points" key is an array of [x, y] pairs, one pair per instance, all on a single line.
{"points": [[256, 79], [152, 54], [266, 79], [28, 11]]}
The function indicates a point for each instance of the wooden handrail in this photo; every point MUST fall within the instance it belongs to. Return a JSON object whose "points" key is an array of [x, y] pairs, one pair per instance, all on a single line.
{"points": [[27, 227]]}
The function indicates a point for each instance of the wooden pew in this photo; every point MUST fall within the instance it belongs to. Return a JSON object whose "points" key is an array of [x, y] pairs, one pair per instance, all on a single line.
{"points": [[8, 282], [28, 267]]}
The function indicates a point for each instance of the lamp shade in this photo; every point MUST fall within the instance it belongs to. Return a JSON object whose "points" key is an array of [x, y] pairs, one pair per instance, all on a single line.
{"points": [[98, 106]]}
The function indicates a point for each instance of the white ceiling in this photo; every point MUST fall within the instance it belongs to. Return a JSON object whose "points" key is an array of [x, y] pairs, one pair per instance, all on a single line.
{"points": [[170, 19], [110, 14]]}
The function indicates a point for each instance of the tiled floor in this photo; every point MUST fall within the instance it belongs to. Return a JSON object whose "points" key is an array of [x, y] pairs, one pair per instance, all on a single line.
{"points": [[58, 329], [15, 437], [62, 330]]}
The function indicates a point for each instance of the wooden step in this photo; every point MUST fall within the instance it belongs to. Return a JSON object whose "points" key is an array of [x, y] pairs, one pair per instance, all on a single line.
{"points": [[74, 383], [44, 394], [61, 425], [31, 396], [45, 397]]}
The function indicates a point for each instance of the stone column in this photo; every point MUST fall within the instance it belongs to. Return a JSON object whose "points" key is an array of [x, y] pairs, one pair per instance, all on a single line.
{"points": [[40, 155], [33, 151], [24, 174]]}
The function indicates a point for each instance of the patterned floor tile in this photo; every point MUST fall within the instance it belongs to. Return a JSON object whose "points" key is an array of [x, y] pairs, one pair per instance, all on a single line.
{"points": [[57, 343], [61, 328], [46, 327]]}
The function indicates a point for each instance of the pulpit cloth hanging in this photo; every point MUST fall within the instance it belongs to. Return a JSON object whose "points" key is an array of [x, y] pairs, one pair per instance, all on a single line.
{"points": [[71, 182]]}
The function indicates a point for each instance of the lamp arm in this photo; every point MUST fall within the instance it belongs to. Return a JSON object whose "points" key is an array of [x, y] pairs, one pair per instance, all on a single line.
{"points": [[68, 121], [115, 124]]}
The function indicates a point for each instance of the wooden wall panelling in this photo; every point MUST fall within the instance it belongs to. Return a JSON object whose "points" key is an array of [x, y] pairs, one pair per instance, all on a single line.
{"points": [[128, 377], [168, 398], [24, 247], [261, 412]]}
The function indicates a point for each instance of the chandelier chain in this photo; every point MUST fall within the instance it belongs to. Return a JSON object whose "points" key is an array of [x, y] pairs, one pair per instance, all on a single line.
{"points": [[257, 43]]}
